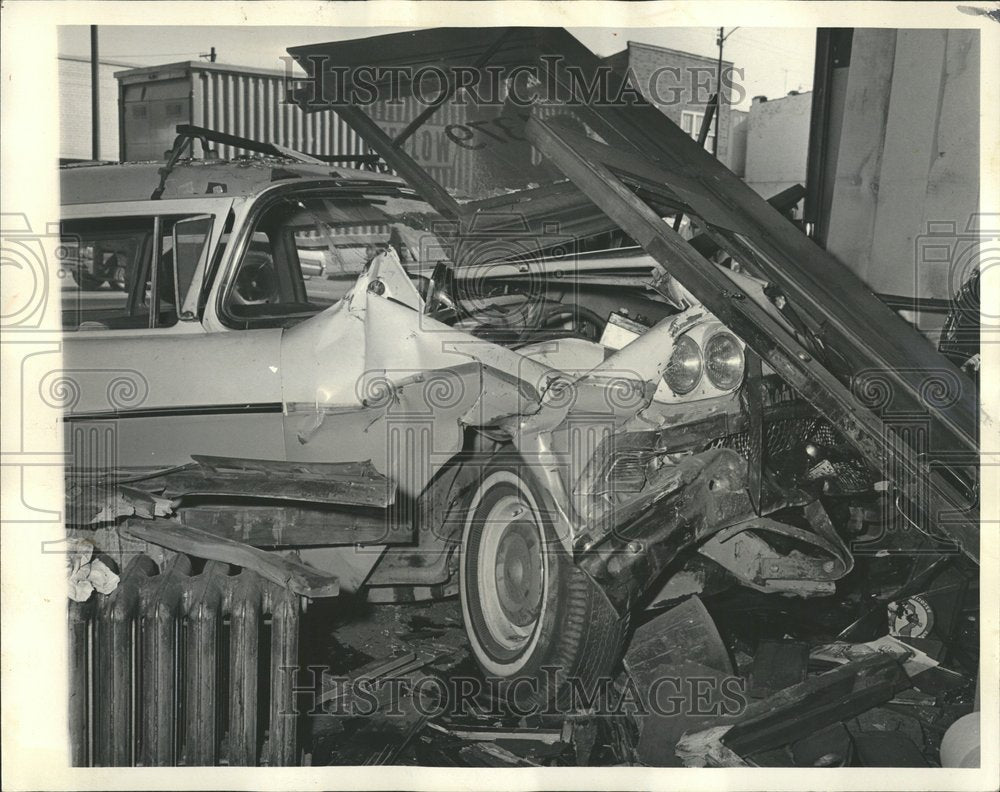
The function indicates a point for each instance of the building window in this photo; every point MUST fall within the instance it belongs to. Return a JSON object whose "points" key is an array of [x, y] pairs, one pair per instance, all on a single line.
{"points": [[691, 124]]}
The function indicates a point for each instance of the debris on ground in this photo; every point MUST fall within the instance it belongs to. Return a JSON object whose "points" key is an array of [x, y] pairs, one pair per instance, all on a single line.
{"points": [[674, 659], [730, 678], [86, 573], [777, 665], [814, 704]]}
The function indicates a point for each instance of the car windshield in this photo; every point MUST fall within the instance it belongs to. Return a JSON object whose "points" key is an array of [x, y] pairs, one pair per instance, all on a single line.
{"points": [[306, 251]]}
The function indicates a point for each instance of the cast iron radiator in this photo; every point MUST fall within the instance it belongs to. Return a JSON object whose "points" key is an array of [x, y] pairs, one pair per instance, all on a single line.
{"points": [[188, 664]]}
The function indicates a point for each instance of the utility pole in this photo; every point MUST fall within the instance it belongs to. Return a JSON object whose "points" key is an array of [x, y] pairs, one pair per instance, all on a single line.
{"points": [[719, 40], [95, 97], [210, 55]]}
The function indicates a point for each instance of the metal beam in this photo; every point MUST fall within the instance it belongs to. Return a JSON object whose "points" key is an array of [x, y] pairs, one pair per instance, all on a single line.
{"points": [[758, 328], [867, 336], [400, 161]]}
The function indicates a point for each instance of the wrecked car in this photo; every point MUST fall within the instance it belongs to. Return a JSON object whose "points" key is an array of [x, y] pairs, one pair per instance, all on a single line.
{"points": [[532, 392]]}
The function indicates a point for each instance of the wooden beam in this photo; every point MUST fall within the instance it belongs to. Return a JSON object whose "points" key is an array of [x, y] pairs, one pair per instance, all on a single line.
{"points": [[816, 703], [400, 161]]}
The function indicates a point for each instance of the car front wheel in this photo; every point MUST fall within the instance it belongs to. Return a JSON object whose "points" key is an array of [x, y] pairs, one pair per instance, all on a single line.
{"points": [[535, 622]]}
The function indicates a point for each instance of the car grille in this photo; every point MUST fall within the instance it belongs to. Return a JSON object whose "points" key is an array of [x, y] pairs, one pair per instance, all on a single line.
{"points": [[781, 436], [785, 435]]}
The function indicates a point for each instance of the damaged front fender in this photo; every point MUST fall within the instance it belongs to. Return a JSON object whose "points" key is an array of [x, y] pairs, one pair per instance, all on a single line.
{"points": [[703, 500], [701, 494]]}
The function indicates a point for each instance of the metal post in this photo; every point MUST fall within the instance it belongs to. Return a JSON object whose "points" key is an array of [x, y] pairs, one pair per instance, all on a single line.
{"points": [[718, 96], [95, 97], [154, 274]]}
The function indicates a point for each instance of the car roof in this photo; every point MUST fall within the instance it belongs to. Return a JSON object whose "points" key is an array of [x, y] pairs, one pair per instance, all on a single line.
{"points": [[115, 182]]}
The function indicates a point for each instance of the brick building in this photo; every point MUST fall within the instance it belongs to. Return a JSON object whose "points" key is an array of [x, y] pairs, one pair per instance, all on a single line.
{"points": [[679, 84]]}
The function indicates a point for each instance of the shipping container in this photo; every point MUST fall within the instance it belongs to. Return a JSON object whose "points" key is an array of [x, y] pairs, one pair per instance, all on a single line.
{"points": [[251, 103], [236, 100]]}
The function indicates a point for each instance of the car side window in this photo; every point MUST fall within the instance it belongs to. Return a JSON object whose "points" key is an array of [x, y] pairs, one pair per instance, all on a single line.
{"points": [[107, 265]]}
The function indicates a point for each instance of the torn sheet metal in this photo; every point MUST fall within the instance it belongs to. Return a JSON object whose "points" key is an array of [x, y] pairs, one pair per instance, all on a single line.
{"points": [[677, 646], [820, 559], [287, 572], [689, 501], [344, 483]]}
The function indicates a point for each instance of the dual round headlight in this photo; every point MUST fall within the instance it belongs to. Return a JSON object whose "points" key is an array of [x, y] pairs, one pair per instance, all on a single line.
{"points": [[684, 368], [722, 361]]}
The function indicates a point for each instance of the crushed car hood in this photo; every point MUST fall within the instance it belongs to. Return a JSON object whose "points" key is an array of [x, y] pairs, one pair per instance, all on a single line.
{"points": [[540, 151]]}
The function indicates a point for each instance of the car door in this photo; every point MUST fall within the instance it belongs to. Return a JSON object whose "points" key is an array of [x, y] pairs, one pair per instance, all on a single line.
{"points": [[146, 385]]}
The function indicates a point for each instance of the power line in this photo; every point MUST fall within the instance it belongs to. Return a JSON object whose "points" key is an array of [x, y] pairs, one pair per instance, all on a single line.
{"points": [[149, 54]]}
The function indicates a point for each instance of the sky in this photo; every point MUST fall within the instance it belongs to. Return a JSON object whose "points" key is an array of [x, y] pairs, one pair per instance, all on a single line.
{"points": [[775, 60]]}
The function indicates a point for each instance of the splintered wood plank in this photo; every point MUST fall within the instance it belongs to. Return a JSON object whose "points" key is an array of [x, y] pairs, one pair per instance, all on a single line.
{"points": [[816, 703]]}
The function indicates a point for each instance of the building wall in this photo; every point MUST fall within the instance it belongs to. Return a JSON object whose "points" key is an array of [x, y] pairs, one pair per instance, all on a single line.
{"points": [[736, 151], [778, 143], [682, 93], [906, 195], [74, 108]]}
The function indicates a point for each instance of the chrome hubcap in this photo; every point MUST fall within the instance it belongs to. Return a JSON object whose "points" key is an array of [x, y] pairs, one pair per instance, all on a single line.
{"points": [[511, 576], [519, 573]]}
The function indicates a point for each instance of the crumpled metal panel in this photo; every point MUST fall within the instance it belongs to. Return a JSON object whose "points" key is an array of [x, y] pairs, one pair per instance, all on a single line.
{"points": [[701, 494]]}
